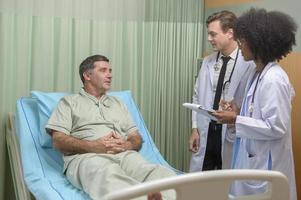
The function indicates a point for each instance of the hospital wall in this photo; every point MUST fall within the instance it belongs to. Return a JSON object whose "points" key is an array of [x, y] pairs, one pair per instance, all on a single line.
{"points": [[291, 63]]}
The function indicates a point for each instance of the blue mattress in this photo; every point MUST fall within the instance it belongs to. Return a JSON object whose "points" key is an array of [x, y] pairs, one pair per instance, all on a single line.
{"points": [[43, 165]]}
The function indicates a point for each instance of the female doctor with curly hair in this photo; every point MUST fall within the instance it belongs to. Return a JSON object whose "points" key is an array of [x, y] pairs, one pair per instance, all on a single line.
{"points": [[263, 125]]}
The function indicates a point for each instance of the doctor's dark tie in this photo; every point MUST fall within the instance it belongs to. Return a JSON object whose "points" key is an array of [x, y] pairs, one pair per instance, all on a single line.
{"points": [[213, 157], [220, 82]]}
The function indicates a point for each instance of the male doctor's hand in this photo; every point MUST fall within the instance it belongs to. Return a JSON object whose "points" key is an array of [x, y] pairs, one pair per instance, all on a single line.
{"points": [[194, 141]]}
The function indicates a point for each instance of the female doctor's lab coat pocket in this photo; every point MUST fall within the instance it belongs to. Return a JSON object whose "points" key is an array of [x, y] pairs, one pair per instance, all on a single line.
{"points": [[252, 187], [259, 161], [255, 162]]}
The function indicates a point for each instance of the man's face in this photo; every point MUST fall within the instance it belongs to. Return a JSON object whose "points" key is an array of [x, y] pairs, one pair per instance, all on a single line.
{"points": [[219, 39], [100, 77]]}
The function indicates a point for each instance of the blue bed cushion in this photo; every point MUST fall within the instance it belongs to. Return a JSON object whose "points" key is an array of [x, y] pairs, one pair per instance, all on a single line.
{"points": [[46, 104]]}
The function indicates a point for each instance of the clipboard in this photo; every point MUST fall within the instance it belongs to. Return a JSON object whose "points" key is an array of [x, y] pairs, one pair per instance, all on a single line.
{"points": [[200, 109]]}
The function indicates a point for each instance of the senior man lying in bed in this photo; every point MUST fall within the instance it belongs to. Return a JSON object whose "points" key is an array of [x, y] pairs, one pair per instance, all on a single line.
{"points": [[99, 139]]}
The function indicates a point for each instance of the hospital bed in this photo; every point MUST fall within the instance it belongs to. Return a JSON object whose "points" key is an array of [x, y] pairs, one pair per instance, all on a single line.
{"points": [[37, 167]]}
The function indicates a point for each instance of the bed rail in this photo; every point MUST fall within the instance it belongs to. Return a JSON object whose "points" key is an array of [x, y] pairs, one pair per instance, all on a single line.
{"points": [[21, 191]]}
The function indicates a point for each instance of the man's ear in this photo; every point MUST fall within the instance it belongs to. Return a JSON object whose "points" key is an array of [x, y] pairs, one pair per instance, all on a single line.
{"points": [[230, 33], [87, 75]]}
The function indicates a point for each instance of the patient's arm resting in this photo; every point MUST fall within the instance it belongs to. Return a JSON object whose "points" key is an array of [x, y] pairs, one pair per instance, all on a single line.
{"points": [[111, 143], [70, 145]]}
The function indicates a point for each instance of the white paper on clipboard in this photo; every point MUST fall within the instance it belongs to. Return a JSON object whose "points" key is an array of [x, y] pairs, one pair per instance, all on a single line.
{"points": [[200, 109]]}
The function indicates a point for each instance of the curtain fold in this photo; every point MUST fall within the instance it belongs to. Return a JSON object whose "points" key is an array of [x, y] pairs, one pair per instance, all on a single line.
{"points": [[153, 46]]}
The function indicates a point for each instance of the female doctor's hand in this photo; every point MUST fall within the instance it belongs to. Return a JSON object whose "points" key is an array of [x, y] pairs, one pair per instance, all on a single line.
{"points": [[225, 116], [229, 106]]}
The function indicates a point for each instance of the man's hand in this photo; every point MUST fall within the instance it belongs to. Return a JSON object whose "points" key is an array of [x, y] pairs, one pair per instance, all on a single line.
{"points": [[194, 141], [101, 145], [115, 143]]}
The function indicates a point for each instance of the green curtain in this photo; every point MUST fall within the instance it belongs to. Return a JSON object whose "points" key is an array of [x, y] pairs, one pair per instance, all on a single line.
{"points": [[153, 46]]}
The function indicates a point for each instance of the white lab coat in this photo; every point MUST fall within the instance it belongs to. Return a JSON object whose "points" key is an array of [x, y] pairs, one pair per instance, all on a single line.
{"points": [[204, 96], [264, 140]]}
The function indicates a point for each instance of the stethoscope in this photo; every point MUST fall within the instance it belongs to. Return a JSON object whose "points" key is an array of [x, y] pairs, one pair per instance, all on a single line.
{"points": [[251, 106], [226, 83]]}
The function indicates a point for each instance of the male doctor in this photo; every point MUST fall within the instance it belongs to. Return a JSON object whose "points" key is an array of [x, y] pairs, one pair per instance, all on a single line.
{"points": [[223, 75]]}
